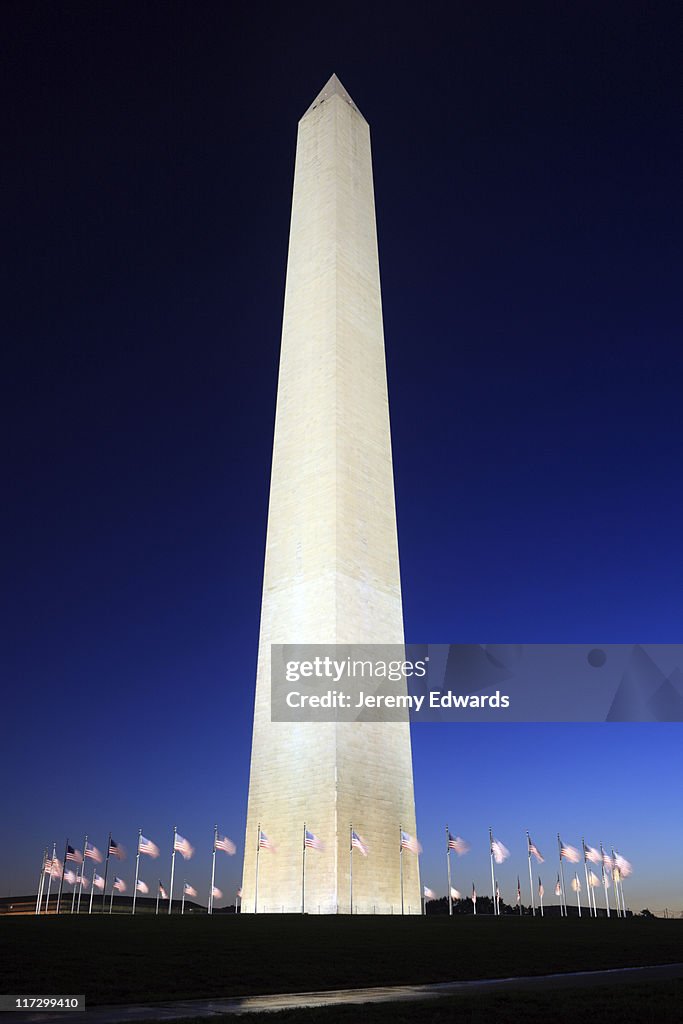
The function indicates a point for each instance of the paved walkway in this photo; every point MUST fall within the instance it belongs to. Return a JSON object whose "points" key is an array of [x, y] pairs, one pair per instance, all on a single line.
{"points": [[396, 993]]}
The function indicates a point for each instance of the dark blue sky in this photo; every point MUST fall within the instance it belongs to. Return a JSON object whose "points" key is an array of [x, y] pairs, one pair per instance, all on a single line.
{"points": [[528, 198]]}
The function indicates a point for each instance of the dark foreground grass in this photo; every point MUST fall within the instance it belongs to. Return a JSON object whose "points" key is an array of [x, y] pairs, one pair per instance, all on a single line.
{"points": [[147, 959], [656, 1003]]}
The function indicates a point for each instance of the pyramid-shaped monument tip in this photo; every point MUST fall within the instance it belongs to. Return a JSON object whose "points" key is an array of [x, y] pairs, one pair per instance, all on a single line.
{"points": [[332, 88]]}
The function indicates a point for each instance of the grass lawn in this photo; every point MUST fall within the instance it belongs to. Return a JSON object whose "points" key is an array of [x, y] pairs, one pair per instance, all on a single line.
{"points": [[123, 959], [633, 1004]]}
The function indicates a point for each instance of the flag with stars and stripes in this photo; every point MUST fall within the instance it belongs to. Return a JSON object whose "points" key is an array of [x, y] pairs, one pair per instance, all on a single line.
{"points": [[409, 842], [225, 844], [147, 846], [312, 842], [358, 843], [458, 844]]}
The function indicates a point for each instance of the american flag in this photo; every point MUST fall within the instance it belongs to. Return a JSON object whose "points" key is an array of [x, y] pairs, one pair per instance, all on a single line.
{"points": [[569, 853], [358, 843], [593, 855], [428, 893], [55, 867], [142, 887], [216, 893], [409, 842], [519, 891], [497, 891], [239, 892], [114, 849], [82, 880], [455, 895], [474, 894], [183, 846], [162, 892], [70, 877], [226, 845], [541, 890], [119, 885], [558, 887], [98, 881], [500, 852], [624, 866], [147, 846], [458, 844], [607, 861], [74, 855], [311, 841], [593, 879], [92, 852], [47, 866], [189, 890], [576, 884], [533, 849], [264, 842]]}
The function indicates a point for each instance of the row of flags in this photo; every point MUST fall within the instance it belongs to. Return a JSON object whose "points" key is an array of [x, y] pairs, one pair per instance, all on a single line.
{"points": [[54, 869], [612, 865]]}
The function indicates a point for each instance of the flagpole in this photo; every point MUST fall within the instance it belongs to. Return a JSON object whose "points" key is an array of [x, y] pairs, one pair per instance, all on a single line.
{"points": [[493, 874], [92, 886], [258, 850], [448, 865], [106, 868], [474, 901], [563, 888], [578, 891], [158, 895], [137, 869], [604, 879], [351, 868], [49, 878], [400, 856], [80, 887], [41, 881], [621, 890], [73, 894], [61, 880], [111, 898], [531, 883], [585, 869], [303, 873], [619, 885], [540, 893], [182, 902], [616, 885], [170, 894], [213, 868]]}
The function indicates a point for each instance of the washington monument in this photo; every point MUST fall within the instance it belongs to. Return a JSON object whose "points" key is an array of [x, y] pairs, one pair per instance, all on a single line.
{"points": [[331, 564]]}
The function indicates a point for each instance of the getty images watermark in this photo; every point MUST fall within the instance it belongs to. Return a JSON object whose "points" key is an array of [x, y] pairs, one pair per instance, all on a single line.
{"points": [[476, 682]]}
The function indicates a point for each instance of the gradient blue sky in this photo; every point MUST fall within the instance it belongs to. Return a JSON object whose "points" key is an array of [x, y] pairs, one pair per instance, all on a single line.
{"points": [[528, 205]]}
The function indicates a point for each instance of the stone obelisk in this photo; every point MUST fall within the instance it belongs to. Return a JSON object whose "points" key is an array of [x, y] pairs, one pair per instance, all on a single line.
{"points": [[331, 565]]}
